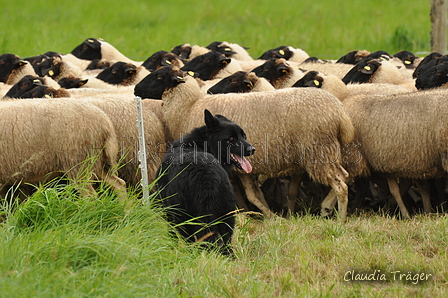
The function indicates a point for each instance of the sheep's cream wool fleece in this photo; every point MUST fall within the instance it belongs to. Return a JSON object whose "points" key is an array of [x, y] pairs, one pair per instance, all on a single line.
{"points": [[403, 134], [42, 136], [294, 130]]}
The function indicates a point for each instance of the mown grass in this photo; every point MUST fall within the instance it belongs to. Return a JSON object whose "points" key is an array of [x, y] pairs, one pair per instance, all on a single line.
{"points": [[326, 29], [59, 245]]}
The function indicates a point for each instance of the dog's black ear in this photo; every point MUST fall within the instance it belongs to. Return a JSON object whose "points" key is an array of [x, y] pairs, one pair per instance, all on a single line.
{"points": [[210, 120]]}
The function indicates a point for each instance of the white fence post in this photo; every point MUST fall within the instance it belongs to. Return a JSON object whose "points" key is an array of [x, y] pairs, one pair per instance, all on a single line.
{"points": [[142, 151]]}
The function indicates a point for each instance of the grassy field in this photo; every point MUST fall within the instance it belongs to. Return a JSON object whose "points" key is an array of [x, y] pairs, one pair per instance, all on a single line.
{"points": [[326, 29], [58, 245]]}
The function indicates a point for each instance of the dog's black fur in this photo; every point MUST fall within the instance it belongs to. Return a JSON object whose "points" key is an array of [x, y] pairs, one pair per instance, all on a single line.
{"points": [[193, 180]]}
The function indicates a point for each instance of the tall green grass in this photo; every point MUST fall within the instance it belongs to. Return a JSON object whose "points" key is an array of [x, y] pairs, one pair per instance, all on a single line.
{"points": [[59, 245], [326, 29]]}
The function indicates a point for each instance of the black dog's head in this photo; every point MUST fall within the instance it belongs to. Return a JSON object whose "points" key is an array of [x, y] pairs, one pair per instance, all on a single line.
{"points": [[226, 141]]}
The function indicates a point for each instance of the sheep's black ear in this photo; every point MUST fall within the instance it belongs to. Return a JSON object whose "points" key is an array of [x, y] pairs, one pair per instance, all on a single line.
{"points": [[210, 120]]}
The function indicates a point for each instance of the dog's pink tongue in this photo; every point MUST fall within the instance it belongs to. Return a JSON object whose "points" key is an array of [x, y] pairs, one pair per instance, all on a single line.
{"points": [[247, 167]]}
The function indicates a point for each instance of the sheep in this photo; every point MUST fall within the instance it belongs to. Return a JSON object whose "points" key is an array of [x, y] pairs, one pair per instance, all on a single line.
{"points": [[162, 58], [41, 138], [123, 114], [240, 82], [212, 65], [36, 60], [336, 86], [329, 68], [91, 49], [231, 50], [45, 91], [409, 59], [12, 69], [188, 52], [435, 76], [353, 57], [122, 73], [279, 73], [378, 71], [58, 69], [35, 87], [428, 62], [293, 122], [71, 82], [25, 84], [330, 83], [286, 52], [401, 136]]}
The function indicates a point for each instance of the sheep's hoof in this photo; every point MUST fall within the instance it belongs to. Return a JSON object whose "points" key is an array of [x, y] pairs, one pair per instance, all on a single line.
{"points": [[326, 212]]}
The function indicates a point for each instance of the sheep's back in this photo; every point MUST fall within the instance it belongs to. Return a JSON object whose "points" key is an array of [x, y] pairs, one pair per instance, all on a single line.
{"points": [[289, 127], [50, 135], [123, 114], [405, 134]]}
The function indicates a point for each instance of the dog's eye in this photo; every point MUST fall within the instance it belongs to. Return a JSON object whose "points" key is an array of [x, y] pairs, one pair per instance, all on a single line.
{"points": [[231, 139]]}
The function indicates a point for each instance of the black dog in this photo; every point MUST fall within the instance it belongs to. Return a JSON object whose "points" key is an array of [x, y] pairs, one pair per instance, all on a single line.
{"points": [[194, 180]]}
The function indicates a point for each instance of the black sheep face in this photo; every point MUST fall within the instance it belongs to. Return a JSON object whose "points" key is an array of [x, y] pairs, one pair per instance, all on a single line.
{"points": [[407, 58], [160, 59], [90, 49], [279, 52], [98, 64], [428, 62], [154, 60], [218, 46], [311, 79], [183, 51], [36, 60], [38, 92], [120, 73], [207, 65], [235, 83], [9, 63], [362, 72], [378, 55], [273, 69], [49, 67], [71, 82], [349, 58], [156, 83], [434, 77], [25, 84]]}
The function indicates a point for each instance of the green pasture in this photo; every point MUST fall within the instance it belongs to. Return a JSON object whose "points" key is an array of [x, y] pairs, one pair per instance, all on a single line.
{"points": [[326, 29]]}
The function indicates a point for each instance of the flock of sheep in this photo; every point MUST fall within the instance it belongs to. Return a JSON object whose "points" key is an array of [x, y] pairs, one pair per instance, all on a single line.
{"points": [[351, 125]]}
